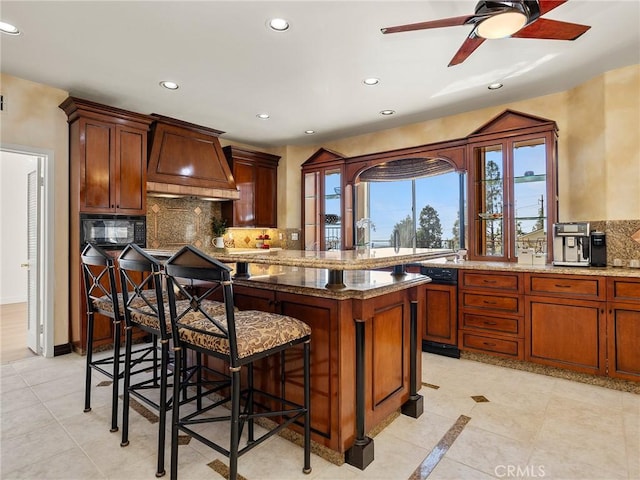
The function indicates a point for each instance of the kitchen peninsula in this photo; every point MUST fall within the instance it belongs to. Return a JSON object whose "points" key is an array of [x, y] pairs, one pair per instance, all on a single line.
{"points": [[365, 363]]}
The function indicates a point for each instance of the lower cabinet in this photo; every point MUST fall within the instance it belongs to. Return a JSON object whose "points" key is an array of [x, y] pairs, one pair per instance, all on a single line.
{"points": [[566, 333], [623, 327], [440, 322]]}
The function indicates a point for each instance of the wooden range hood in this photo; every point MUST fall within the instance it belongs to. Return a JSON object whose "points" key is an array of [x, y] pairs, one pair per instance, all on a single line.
{"points": [[187, 160]]}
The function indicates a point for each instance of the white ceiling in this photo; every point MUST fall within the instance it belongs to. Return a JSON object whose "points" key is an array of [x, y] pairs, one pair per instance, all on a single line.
{"points": [[230, 67]]}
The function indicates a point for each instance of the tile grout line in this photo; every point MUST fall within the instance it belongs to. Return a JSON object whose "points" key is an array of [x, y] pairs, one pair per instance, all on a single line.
{"points": [[435, 455]]}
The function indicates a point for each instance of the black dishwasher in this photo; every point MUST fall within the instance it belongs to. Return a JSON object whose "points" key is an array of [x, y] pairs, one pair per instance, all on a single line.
{"points": [[441, 312]]}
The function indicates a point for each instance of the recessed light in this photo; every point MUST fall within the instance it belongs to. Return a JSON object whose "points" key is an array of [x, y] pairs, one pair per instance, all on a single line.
{"points": [[371, 81], [309, 132], [169, 85], [495, 86], [387, 112], [278, 24], [262, 116], [9, 29]]}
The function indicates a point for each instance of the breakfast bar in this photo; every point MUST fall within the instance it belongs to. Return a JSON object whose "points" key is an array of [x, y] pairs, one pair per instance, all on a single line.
{"points": [[365, 361]]}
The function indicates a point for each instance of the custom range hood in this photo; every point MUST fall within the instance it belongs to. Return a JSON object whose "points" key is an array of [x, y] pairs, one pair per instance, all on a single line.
{"points": [[186, 160]]}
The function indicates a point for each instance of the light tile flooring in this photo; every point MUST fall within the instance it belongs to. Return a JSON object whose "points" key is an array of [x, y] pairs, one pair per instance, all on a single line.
{"points": [[532, 426]]}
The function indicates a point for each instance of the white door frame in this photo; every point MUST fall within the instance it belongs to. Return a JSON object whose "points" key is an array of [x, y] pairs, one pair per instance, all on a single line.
{"points": [[47, 238]]}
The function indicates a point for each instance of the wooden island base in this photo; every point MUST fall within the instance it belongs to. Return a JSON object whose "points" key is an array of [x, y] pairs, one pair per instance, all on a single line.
{"points": [[365, 364]]}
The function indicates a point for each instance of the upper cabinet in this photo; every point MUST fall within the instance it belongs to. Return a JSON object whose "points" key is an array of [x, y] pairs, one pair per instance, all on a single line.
{"points": [[256, 177], [323, 214], [108, 158], [513, 199]]}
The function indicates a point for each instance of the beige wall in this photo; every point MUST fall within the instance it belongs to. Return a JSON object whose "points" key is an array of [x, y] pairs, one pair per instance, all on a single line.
{"points": [[598, 146], [33, 120], [598, 152]]}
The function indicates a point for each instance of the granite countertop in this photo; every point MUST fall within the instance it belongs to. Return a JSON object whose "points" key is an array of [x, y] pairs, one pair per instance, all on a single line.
{"points": [[546, 269], [360, 284], [367, 259]]}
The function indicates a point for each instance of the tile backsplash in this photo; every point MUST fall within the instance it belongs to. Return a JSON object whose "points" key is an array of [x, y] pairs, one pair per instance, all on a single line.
{"points": [[174, 222], [623, 239]]}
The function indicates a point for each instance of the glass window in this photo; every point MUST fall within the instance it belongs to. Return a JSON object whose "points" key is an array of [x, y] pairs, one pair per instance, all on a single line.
{"points": [[423, 210]]}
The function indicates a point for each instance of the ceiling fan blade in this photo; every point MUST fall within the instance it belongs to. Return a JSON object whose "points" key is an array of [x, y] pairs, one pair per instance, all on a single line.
{"points": [[444, 22], [467, 48], [548, 5], [551, 30]]}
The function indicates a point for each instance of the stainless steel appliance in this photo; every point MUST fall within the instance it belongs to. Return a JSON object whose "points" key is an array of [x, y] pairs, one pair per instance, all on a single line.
{"points": [[571, 244], [598, 249], [113, 231]]}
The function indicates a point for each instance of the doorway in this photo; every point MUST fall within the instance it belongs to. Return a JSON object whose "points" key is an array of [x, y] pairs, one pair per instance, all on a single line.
{"points": [[25, 300]]}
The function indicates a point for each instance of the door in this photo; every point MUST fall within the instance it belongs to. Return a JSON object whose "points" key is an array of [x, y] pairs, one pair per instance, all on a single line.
{"points": [[34, 326]]}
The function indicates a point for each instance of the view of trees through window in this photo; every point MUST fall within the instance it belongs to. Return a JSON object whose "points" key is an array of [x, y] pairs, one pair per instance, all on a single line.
{"points": [[437, 204]]}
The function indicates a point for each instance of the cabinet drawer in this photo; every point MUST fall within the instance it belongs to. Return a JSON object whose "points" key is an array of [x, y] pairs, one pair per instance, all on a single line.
{"points": [[491, 281], [566, 286], [623, 290], [509, 326], [495, 303], [500, 346]]}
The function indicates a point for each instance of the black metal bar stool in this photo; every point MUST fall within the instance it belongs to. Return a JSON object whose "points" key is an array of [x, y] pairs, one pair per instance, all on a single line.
{"points": [[145, 308], [102, 297], [237, 338]]}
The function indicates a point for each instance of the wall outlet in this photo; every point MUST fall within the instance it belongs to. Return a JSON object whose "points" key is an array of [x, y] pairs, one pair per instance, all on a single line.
{"points": [[280, 236], [294, 236]]}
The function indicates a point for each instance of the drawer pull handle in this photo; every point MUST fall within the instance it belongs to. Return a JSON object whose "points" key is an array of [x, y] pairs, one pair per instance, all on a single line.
{"points": [[488, 302], [562, 286], [489, 344], [488, 281], [490, 323]]}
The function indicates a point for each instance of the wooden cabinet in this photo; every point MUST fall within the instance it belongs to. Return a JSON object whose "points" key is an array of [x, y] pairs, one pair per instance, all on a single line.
{"points": [[513, 199], [326, 223], [107, 174], [565, 322], [623, 327], [332, 321], [491, 313], [440, 322], [256, 176], [108, 158]]}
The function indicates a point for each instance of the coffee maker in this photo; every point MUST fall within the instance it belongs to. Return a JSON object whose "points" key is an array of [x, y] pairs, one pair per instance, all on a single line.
{"points": [[571, 244]]}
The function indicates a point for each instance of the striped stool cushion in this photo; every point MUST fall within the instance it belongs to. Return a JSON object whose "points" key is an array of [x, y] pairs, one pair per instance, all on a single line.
{"points": [[256, 332]]}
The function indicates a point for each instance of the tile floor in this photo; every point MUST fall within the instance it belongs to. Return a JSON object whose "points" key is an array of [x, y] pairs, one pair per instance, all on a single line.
{"points": [[531, 426]]}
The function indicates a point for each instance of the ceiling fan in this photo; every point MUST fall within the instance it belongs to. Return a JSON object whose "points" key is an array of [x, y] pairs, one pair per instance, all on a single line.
{"points": [[500, 19]]}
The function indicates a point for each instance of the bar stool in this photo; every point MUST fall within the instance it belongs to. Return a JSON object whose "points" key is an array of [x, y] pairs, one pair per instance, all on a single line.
{"points": [[145, 308], [99, 278], [238, 338]]}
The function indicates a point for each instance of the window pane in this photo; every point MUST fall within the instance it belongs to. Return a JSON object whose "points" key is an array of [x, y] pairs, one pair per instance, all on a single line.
{"points": [[390, 208], [332, 212], [530, 188], [489, 199], [438, 204]]}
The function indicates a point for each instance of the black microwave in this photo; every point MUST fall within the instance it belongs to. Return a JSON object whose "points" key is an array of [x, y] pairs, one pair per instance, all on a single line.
{"points": [[113, 231]]}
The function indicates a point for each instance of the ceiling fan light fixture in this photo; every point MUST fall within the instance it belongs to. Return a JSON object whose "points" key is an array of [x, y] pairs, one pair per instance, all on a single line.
{"points": [[501, 25]]}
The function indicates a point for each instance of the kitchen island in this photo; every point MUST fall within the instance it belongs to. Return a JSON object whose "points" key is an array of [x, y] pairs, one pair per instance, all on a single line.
{"points": [[365, 360]]}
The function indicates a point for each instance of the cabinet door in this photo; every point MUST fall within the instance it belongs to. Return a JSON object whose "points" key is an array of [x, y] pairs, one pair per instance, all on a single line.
{"points": [[266, 197], [623, 341], [332, 209], [566, 333], [97, 167], [440, 323], [311, 212], [130, 171], [244, 214]]}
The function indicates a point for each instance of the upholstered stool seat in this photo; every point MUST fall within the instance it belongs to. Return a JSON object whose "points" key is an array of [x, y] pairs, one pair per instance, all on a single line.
{"points": [[237, 338]]}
